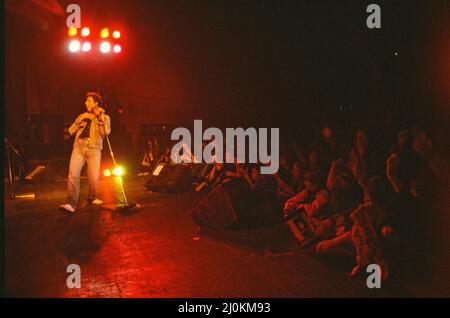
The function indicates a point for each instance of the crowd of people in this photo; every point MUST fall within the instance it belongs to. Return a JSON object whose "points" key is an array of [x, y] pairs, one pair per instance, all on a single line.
{"points": [[348, 193], [152, 155]]}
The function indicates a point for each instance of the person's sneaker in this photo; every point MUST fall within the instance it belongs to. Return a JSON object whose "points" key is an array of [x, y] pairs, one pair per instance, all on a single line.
{"points": [[67, 207], [95, 202]]}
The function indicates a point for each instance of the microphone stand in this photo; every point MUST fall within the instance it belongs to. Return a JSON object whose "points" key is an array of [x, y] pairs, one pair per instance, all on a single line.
{"points": [[12, 147], [127, 206], [12, 184], [12, 181]]}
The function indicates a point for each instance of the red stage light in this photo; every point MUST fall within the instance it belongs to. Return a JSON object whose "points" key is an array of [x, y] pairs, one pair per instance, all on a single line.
{"points": [[72, 31], [86, 46], [74, 46], [104, 33], [116, 34], [117, 48], [85, 32], [105, 47]]}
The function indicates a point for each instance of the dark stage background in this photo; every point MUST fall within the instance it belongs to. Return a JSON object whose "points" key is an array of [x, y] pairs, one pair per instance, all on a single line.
{"points": [[287, 64]]}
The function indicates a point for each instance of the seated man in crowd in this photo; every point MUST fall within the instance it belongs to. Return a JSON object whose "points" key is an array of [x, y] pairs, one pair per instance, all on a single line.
{"points": [[234, 171], [284, 178], [313, 200], [208, 181], [347, 185], [305, 210], [345, 196], [371, 226], [220, 173], [147, 160]]}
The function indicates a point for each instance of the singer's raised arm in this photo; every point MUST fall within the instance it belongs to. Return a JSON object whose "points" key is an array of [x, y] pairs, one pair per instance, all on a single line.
{"points": [[105, 125], [75, 126]]}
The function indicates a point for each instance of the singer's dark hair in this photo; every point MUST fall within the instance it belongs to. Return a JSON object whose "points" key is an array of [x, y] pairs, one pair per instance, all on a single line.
{"points": [[96, 97]]}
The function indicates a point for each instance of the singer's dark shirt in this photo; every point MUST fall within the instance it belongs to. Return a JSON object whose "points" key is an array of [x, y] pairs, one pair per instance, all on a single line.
{"points": [[86, 131]]}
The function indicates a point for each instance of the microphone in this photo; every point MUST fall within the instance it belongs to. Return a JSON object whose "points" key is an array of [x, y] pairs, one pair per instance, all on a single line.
{"points": [[101, 110]]}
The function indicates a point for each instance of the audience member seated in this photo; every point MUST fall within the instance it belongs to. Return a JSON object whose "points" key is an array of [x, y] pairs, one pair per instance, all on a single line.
{"points": [[375, 221], [233, 171], [215, 177], [166, 157], [345, 192], [148, 159], [359, 159], [313, 200], [284, 179], [316, 165]]}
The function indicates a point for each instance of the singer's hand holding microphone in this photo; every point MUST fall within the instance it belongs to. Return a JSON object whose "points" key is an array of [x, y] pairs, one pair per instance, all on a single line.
{"points": [[100, 113]]}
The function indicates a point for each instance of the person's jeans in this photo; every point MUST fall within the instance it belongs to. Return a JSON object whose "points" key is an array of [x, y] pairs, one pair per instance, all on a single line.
{"points": [[81, 154]]}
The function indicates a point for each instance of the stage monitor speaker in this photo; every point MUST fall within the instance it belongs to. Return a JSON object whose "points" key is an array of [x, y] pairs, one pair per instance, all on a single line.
{"points": [[168, 178], [226, 206]]}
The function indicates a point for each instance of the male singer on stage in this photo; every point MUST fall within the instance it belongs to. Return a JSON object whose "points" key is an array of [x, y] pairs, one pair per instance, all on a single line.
{"points": [[89, 129]]}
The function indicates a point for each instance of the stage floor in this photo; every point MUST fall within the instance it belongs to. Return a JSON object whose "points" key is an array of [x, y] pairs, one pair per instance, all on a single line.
{"points": [[158, 252]]}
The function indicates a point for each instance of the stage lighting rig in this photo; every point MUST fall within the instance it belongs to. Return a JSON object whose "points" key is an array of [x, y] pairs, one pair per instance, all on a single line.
{"points": [[89, 40]]}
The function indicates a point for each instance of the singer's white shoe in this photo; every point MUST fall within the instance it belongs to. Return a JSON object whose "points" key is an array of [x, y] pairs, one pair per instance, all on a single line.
{"points": [[95, 202], [67, 207]]}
